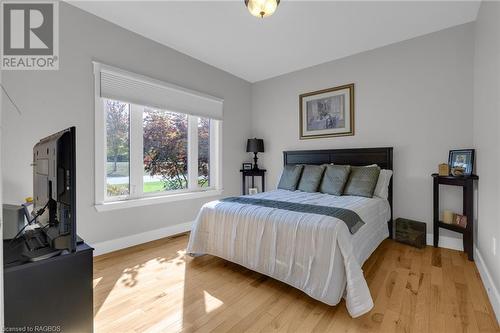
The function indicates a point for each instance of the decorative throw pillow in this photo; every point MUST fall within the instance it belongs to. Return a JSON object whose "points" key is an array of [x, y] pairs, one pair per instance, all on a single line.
{"points": [[362, 181], [311, 177], [382, 188], [290, 177], [334, 179]]}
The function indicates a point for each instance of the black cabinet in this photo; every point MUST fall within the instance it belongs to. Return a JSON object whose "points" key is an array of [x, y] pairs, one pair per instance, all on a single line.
{"points": [[467, 184], [55, 292]]}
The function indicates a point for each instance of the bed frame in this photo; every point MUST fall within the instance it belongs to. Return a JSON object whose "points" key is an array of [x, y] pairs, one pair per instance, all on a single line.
{"points": [[355, 156]]}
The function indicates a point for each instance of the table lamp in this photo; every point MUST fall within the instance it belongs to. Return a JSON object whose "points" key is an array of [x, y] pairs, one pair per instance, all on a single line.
{"points": [[255, 146]]}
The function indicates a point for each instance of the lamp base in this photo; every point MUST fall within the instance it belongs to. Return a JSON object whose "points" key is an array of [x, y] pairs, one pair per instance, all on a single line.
{"points": [[255, 158]]}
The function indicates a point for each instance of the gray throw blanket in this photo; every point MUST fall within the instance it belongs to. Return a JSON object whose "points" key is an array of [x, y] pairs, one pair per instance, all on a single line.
{"points": [[350, 218]]}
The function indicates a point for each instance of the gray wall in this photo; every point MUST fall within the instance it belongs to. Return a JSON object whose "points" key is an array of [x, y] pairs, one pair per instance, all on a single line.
{"points": [[486, 129], [53, 100], [415, 95]]}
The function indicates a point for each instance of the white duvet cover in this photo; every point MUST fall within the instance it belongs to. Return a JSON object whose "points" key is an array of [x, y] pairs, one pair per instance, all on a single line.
{"points": [[314, 253]]}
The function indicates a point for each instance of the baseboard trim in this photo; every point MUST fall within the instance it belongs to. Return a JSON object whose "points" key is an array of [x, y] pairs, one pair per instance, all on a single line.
{"points": [[488, 283], [144, 237], [447, 242], [148, 236]]}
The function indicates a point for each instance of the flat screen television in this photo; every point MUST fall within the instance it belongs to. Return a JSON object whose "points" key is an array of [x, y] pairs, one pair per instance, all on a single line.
{"points": [[54, 161]]}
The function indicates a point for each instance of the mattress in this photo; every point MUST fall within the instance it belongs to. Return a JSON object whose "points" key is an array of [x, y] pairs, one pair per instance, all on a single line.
{"points": [[314, 253], [375, 213]]}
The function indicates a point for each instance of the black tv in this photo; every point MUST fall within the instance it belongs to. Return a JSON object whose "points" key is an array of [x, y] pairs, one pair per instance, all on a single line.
{"points": [[54, 172]]}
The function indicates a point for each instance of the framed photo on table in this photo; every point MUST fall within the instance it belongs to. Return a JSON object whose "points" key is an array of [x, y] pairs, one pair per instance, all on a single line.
{"points": [[327, 113], [462, 158], [247, 166]]}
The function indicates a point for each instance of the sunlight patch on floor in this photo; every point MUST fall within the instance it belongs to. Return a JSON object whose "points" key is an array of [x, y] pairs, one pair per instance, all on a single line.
{"points": [[131, 276], [96, 281], [108, 296], [211, 303]]}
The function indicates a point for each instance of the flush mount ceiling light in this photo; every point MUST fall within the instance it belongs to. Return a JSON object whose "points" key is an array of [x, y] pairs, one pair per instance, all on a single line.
{"points": [[262, 8]]}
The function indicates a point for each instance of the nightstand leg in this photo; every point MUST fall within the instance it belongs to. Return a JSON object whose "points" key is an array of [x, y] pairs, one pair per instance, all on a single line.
{"points": [[243, 185], [436, 212], [468, 248], [468, 210]]}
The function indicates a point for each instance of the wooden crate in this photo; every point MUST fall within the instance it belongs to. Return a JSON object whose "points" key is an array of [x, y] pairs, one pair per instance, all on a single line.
{"points": [[411, 232]]}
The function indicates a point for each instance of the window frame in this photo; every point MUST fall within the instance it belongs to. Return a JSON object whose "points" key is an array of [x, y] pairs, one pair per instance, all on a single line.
{"points": [[136, 196]]}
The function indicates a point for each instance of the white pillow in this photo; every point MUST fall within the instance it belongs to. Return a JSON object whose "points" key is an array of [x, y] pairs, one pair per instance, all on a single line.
{"points": [[382, 187]]}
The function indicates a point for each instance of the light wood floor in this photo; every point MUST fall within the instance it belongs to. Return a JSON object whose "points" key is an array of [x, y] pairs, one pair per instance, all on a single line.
{"points": [[154, 288]]}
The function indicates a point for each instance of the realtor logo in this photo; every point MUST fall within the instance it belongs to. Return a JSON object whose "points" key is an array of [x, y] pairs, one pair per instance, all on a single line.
{"points": [[30, 39]]}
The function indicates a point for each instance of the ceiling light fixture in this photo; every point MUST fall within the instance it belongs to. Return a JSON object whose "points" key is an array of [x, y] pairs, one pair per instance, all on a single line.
{"points": [[262, 8]]}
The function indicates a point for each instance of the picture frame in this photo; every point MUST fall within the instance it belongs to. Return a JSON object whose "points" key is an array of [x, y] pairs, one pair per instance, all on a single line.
{"points": [[462, 158], [247, 166], [461, 220], [327, 113]]}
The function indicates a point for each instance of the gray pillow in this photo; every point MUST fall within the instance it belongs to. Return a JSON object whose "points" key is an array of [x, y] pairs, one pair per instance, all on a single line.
{"points": [[334, 179], [311, 177], [290, 177], [362, 181]]}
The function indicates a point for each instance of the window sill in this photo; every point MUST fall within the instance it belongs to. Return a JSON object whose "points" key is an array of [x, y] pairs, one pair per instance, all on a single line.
{"points": [[108, 206]]}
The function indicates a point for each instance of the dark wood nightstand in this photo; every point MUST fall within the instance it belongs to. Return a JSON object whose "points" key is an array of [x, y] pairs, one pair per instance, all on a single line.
{"points": [[252, 173], [467, 184]]}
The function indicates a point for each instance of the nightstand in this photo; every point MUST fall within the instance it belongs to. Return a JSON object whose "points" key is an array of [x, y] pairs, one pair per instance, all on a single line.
{"points": [[252, 173], [467, 184]]}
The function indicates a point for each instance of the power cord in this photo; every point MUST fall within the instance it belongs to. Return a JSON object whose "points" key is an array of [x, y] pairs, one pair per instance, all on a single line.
{"points": [[38, 214]]}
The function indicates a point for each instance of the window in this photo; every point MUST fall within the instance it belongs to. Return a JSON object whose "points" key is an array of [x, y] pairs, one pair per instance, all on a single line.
{"points": [[165, 150], [145, 146], [204, 152], [117, 144]]}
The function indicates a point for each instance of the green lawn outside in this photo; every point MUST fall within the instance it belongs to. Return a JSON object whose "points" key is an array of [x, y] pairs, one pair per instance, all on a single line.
{"points": [[158, 186], [153, 186], [148, 187], [121, 189], [122, 170]]}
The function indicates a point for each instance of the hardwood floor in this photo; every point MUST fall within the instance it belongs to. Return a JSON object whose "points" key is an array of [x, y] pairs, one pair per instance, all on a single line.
{"points": [[153, 287]]}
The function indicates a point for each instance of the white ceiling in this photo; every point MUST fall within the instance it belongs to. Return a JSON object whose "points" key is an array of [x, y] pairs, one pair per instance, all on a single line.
{"points": [[300, 34]]}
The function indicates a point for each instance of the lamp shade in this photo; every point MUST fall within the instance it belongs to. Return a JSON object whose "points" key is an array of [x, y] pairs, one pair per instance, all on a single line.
{"points": [[255, 145]]}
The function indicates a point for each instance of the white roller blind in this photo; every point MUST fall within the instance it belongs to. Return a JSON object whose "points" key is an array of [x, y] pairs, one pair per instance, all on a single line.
{"points": [[137, 89]]}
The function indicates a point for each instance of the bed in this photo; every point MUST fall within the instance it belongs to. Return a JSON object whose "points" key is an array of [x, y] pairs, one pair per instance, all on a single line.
{"points": [[315, 253]]}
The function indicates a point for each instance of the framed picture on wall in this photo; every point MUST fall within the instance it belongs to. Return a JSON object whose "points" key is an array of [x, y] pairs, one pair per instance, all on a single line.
{"points": [[327, 113]]}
